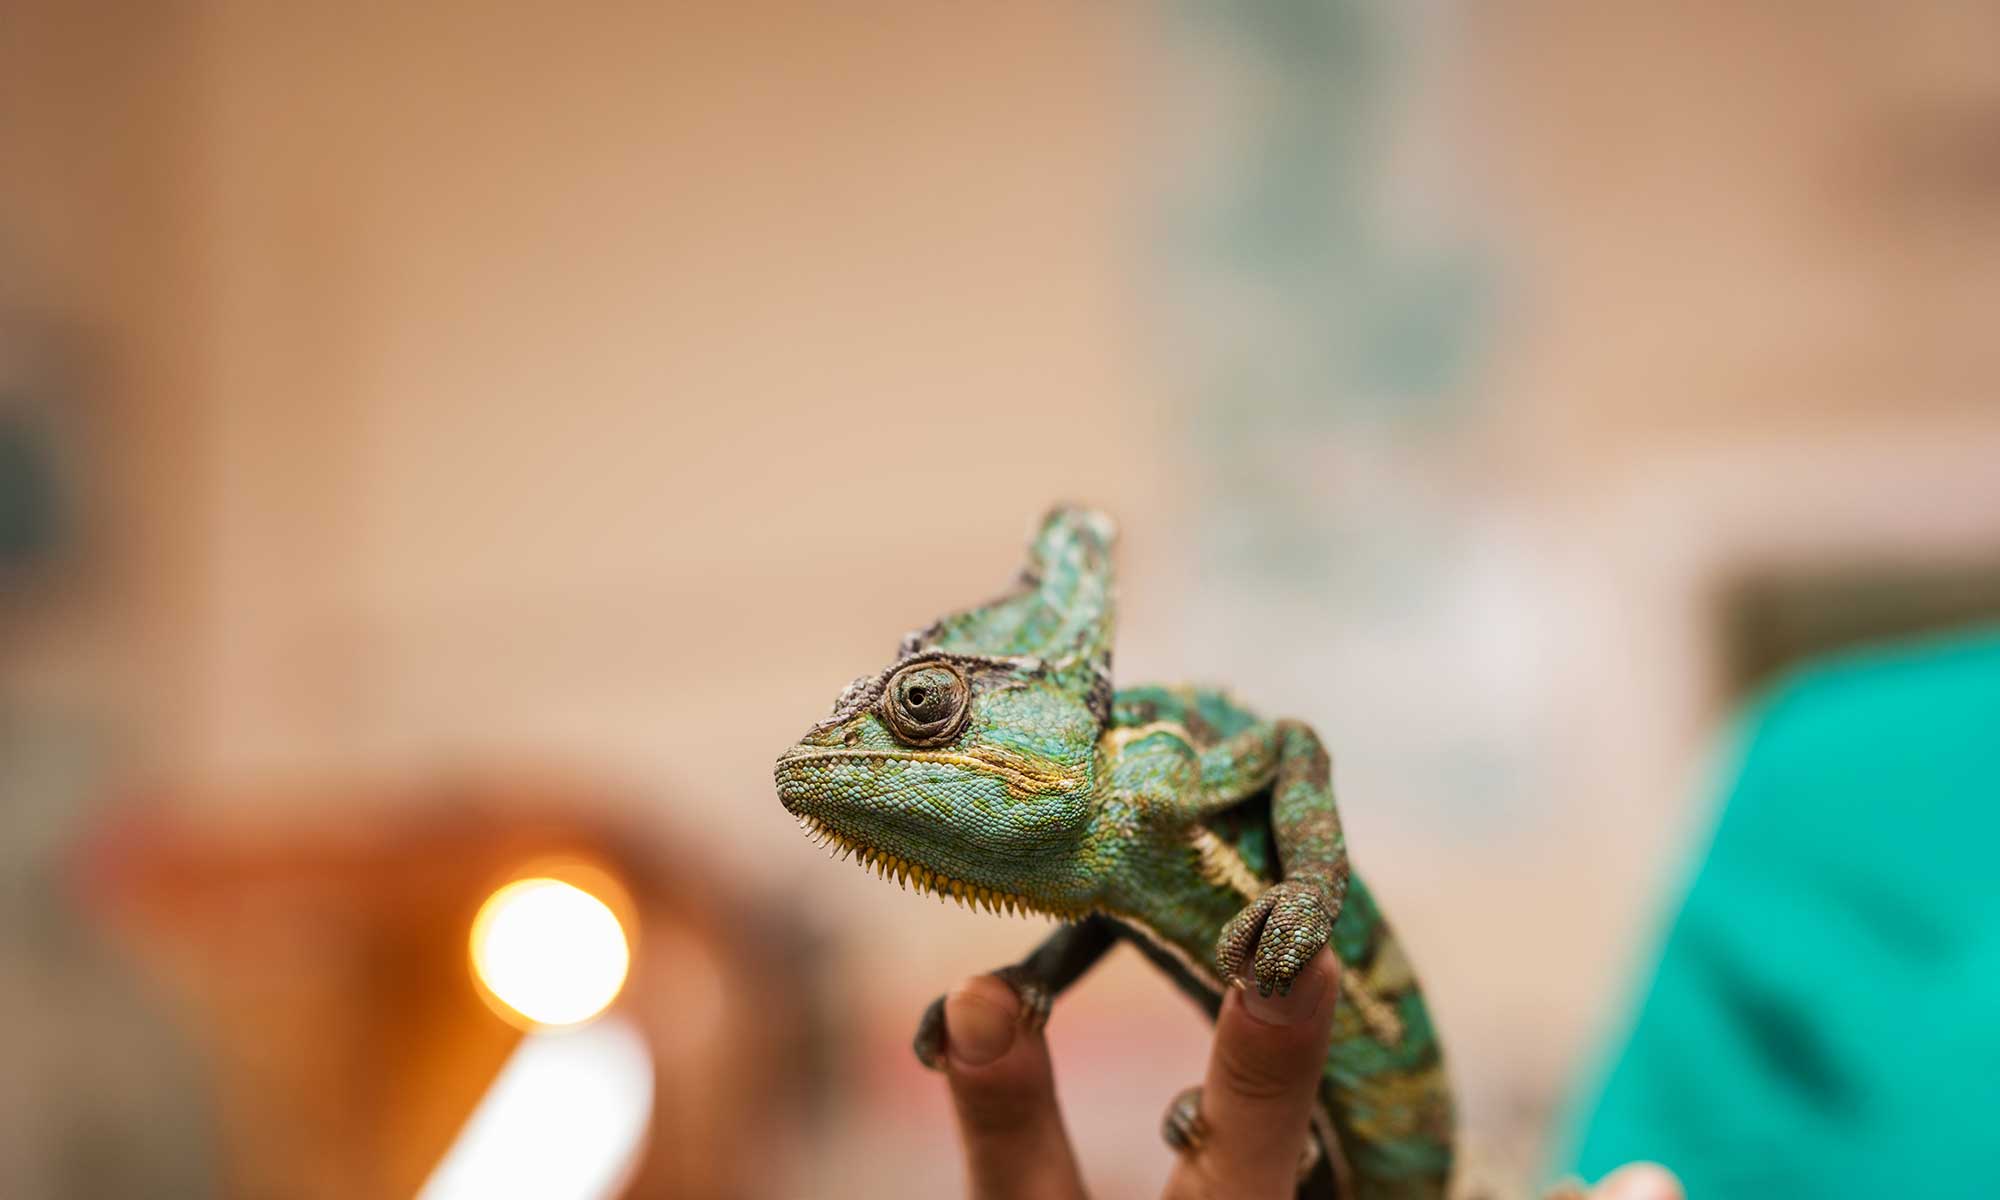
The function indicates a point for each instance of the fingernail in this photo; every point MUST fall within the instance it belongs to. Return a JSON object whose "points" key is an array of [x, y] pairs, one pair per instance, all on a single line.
{"points": [[1640, 1181], [978, 1029], [1289, 1009]]}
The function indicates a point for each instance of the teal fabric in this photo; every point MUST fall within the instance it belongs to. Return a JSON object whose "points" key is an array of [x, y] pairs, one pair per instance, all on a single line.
{"points": [[1824, 1018]]}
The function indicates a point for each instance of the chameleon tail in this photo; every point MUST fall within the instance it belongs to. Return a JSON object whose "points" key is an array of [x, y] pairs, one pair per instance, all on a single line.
{"points": [[1385, 1084]]}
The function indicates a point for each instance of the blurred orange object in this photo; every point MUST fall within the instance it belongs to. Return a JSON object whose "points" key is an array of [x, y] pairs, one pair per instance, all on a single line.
{"points": [[323, 962]]}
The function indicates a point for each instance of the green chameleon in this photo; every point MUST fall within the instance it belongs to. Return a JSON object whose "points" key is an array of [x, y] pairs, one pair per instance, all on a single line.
{"points": [[993, 763]]}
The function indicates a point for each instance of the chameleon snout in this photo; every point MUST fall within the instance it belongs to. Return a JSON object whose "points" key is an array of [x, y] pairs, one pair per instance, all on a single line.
{"points": [[796, 783]]}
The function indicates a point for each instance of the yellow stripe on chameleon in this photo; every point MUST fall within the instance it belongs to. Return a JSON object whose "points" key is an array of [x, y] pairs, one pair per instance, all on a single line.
{"points": [[1025, 777], [1119, 737], [1221, 865]]}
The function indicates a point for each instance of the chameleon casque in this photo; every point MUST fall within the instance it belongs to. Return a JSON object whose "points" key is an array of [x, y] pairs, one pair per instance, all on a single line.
{"points": [[993, 762]]}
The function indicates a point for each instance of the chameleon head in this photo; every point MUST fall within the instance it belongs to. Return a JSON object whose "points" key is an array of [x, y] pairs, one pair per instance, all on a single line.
{"points": [[967, 767], [966, 776]]}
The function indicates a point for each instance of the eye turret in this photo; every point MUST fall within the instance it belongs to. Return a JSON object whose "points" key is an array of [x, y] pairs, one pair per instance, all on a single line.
{"points": [[926, 704]]}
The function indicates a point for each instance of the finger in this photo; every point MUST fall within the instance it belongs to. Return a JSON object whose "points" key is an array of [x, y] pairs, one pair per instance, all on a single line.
{"points": [[1639, 1181], [1257, 1098], [1003, 1090]]}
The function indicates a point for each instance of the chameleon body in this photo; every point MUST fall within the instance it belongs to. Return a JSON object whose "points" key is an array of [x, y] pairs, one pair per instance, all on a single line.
{"points": [[994, 763]]}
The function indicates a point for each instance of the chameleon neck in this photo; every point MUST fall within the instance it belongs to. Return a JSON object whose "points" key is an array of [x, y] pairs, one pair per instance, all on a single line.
{"points": [[1177, 906]]}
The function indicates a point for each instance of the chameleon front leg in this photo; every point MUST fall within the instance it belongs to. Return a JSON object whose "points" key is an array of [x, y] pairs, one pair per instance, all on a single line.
{"points": [[1281, 929], [1038, 979]]}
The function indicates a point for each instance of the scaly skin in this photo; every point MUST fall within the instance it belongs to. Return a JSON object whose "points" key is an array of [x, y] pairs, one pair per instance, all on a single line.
{"points": [[993, 762]]}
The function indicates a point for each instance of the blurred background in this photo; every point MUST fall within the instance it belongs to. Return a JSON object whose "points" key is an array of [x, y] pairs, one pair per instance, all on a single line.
{"points": [[438, 442]]}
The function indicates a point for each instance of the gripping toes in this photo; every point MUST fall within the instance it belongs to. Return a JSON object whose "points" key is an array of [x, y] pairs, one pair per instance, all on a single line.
{"points": [[1275, 936], [1035, 997], [1185, 1131], [929, 1042], [1182, 1126]]}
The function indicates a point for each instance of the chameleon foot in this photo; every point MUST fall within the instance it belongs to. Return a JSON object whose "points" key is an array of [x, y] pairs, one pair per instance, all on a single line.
{"points": [[1182, 1126], [929, 1042], [1185, 1131], [1036, 1000], [1035, 997], [1276, 935], [1310, 1156]]}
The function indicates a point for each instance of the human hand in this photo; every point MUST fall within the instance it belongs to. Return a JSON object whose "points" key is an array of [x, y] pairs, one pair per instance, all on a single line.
{"points": [[1634, 1181], [1255, 1106]]}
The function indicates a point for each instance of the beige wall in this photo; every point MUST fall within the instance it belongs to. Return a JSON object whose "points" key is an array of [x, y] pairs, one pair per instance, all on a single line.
{"points": [[630, 332], [501, 385], [559, 361], [97, 268], [1733, 219]]}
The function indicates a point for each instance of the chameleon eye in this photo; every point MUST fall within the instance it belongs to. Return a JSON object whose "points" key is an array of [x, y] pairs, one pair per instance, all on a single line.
{"points": [[926, 704]]}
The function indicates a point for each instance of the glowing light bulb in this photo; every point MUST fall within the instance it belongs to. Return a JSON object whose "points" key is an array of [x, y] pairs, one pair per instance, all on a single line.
{"points": [[550, 951]]}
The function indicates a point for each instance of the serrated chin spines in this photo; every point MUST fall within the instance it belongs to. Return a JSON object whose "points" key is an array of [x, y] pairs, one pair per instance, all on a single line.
{"points": [[928, 882]]}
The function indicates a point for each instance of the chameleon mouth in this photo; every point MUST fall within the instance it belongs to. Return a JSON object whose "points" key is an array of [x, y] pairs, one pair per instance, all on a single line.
{"points": [[927, 882]]}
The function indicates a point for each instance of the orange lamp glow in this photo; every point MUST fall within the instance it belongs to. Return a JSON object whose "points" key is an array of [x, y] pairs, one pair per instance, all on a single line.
{"points": [[549, 952]]}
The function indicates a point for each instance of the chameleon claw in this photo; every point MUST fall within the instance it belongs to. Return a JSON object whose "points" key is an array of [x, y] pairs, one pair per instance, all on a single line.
{"points": [[929, 1044], [1183, 1128], [1036, 999], [1275, 936]]}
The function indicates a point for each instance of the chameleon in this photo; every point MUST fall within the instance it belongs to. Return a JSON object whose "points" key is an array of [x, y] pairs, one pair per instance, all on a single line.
{"points": [[993, 763]]}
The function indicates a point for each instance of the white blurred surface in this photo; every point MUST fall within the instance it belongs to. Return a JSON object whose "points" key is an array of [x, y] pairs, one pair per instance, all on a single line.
{"points": [[565, 1119]]}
